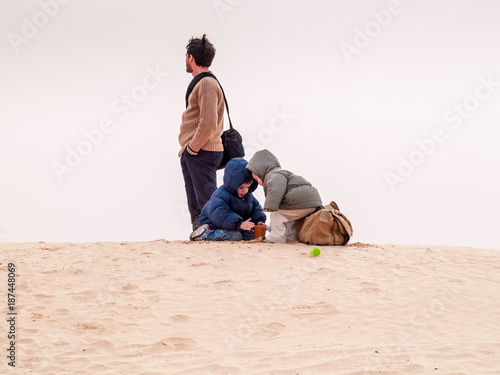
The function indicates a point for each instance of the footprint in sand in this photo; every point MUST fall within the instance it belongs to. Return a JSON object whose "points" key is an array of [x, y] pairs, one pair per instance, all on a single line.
{"points": [[87, 326], [199, 264], [61, 312], [318, 309], [129, 286], [369, 288], [269, 331], [180, 343], [180, 319]]}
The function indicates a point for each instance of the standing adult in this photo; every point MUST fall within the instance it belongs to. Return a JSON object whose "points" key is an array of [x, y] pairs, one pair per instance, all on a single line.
{"points": [[201, 128]]}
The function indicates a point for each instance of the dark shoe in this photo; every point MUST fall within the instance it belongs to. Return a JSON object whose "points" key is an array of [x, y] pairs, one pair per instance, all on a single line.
{"points": [[198, 232]]}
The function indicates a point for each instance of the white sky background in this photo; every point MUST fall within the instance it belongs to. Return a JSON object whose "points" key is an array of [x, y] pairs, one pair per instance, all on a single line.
{"points": [[349, 120]]}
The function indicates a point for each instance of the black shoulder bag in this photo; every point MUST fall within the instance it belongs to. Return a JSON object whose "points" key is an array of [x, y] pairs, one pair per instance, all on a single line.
{"points": [[231, 139]]}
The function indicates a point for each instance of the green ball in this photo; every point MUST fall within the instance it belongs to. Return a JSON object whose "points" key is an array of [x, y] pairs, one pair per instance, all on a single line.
{"points": [[315, 252]]}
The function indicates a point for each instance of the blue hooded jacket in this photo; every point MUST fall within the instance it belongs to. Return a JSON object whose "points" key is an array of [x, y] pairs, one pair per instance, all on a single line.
{"points": [[225, 210]]}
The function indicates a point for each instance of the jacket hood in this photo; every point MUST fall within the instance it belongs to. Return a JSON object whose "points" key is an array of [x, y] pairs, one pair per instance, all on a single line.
{"points": [[262, 162], [236, 174]]}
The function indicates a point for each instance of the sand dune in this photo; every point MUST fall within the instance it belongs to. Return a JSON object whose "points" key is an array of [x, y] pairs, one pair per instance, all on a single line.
{"points": [[252, 308]]}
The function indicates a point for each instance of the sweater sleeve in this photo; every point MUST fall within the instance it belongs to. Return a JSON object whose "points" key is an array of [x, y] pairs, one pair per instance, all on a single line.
{"points": [[208, 97], [276, 185]]}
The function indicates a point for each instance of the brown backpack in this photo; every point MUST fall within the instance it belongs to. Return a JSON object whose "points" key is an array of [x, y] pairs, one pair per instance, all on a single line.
{"points": [[326, 226]]}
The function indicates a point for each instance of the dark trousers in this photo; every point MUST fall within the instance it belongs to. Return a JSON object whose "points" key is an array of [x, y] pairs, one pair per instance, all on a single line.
{"points": [[200, 179]]}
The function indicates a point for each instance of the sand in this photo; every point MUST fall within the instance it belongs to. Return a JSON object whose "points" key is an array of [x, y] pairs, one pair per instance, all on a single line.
{"points": [[251, 308]]}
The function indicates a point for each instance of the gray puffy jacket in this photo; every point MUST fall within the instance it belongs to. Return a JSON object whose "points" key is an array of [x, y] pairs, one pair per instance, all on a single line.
{"points": [[283, 189]]}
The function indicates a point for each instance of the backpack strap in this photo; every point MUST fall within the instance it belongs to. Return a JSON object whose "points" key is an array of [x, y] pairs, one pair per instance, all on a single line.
{"points": [[197, 79]]}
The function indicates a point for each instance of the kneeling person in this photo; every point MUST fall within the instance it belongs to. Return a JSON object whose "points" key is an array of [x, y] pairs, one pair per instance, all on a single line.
{"points": [[232, 211], [288, 197]]}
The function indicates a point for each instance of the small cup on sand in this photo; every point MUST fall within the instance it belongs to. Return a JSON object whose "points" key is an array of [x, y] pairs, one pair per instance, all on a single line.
{"points": [[259, 231]]}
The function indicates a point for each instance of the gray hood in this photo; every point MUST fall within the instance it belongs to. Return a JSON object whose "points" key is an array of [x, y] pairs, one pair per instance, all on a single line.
{"points": [[283, 189], [262, 163]]}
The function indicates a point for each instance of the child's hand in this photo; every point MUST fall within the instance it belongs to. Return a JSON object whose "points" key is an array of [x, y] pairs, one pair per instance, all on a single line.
{"points": [[261, 223], [247, 225]]}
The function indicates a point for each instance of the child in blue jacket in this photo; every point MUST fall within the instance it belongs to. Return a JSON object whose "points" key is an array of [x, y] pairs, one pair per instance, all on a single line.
{"points": [[232, 211]]}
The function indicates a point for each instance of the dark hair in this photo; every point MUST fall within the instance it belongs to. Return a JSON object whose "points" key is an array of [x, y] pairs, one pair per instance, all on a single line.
{"points": [[202, 51]]}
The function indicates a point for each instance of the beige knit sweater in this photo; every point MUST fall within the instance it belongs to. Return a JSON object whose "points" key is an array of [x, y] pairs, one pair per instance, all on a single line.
{"points": [[203, 120]]}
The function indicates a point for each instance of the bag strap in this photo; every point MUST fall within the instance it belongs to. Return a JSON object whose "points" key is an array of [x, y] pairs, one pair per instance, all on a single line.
{"points": [[344, 221], [197, 79], [333, 208]]}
